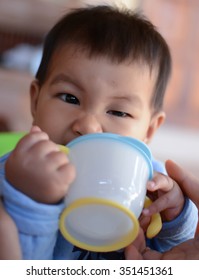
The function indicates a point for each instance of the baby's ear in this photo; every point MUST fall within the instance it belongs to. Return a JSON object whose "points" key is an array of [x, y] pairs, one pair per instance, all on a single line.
{"points": [[156, 121], [34, 95]]}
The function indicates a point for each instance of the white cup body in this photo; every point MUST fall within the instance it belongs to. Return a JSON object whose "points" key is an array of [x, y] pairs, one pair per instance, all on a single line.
{"points": [[113, 170]]}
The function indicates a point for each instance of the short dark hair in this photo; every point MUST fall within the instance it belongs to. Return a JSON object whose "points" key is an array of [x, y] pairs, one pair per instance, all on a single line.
{"points": [[120, 35]]}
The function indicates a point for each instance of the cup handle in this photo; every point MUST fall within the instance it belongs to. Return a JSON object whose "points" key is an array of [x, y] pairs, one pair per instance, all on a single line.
{"points": [[64, 149], [156, 221]]}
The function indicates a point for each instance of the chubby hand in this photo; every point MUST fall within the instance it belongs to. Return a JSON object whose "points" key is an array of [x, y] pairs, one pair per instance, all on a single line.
{"points": [[167, 197], [39, 169]]}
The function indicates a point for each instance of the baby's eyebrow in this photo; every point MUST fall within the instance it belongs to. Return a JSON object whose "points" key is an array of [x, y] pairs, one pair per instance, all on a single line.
{"points": [[130, 99], [65, 79], [61, 78]]}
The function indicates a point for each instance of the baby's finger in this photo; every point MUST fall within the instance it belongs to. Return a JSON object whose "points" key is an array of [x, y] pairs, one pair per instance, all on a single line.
{"points": [[144, 221], [30, 139], [160, 182], [43, 148], [57, 159], [158, 205], [35, 128], [68, 171]]}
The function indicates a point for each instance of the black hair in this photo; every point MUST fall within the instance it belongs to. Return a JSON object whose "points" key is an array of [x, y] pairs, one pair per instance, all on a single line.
{"points": [[121, 35]]}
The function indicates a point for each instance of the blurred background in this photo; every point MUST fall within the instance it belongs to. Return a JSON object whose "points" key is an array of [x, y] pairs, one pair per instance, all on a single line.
{"points": [[23, 25]]}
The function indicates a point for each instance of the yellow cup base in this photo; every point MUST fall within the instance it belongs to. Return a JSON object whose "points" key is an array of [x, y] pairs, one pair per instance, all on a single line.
{"points": [[98, 225]]}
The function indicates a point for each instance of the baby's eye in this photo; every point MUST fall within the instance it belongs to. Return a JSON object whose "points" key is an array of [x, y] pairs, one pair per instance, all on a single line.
{"points": [[118, 113], [69, 98]]}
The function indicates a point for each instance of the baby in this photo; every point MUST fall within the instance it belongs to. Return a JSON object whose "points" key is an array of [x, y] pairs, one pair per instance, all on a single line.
{"points": [[102, 70]]}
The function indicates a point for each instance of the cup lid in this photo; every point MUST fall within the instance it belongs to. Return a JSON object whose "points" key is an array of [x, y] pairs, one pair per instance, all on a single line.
{"points": [[133, 142]]}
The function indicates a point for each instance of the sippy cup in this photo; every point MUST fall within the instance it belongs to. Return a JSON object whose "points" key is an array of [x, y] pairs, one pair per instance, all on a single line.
{"points": [[105, 200]]}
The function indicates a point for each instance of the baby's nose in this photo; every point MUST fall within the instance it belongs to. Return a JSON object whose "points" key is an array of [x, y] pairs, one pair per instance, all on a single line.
{"points": [[87, 124]]}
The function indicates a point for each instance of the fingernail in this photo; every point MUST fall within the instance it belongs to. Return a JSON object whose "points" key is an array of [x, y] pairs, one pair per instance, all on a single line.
{"points": [[145, 212], [151, 185]]}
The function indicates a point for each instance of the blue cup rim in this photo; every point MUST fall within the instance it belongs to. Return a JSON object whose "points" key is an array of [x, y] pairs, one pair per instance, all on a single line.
{"points": [[133, 142]]}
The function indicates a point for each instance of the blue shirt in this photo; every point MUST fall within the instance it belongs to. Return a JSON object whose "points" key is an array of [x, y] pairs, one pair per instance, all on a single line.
{"points": [[38, 226]]}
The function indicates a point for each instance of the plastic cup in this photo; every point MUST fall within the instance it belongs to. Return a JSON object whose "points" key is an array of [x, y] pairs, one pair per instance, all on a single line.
{"points": [[104, 202]]}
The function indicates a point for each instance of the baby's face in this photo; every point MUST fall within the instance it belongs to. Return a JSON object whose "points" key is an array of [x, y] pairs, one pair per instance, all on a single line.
{"points": [[84, 95]]}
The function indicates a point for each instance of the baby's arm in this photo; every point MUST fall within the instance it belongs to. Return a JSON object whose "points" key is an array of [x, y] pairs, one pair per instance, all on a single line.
{"points": [[9, 239], [36, 173]]}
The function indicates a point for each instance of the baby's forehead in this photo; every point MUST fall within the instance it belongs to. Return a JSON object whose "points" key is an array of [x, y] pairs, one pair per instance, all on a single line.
{"points": [[70, 61], [70, 50]]}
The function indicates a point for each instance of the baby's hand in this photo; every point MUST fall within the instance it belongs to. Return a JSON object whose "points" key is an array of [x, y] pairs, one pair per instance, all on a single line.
{"points": [[167, 197], [39, 169]]}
